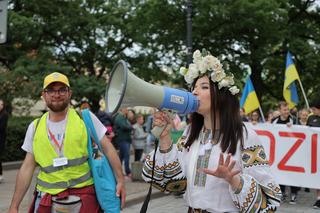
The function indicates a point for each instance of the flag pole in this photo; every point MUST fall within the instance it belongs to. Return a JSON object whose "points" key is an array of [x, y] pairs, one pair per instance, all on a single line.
{"points": [[304, 95], [262, 115]]}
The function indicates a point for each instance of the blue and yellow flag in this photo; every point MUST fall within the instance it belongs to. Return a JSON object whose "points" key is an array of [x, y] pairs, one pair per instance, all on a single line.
{"points": [[290, 93], [249, 100]]}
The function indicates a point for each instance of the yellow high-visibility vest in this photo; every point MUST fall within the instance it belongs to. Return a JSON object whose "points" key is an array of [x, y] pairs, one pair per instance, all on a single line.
{"points": [[76, 173]]}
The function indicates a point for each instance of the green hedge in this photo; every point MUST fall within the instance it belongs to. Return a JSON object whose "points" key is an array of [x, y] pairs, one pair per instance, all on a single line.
{"points": [[17, 127]]}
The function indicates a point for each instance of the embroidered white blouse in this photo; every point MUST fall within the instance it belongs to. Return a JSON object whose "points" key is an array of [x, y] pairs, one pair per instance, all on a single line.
{"points": [[177, 170]]}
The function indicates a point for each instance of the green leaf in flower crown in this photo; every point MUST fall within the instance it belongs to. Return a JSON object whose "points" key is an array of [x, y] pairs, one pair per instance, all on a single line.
{"points": [[204, 52]]}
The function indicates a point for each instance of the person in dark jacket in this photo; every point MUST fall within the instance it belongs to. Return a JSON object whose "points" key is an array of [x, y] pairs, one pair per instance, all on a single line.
{"points": [[106, 119], [314, 121], [3, 127], [123, 140]]}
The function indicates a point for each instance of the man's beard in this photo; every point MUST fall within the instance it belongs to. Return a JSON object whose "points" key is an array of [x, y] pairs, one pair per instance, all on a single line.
{"points": [[58, 108]]}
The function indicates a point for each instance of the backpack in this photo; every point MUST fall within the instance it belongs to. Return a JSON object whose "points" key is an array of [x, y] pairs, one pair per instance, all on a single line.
{"points": [[103, 177]]}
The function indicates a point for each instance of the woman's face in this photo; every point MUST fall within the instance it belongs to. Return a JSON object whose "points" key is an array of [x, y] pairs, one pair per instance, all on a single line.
{"points": [[303, 115], [202, 91], [255, 116]]}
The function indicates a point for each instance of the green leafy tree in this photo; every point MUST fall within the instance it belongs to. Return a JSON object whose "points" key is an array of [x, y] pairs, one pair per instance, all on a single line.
{"points": [[243, 33]]}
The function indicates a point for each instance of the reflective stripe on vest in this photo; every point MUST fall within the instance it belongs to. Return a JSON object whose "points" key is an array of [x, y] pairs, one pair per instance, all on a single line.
{"points": [[66, 184], [72, 162]]}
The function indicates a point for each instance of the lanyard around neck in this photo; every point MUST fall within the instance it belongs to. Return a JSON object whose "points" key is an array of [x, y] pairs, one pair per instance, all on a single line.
{"points": [[55, 141]]}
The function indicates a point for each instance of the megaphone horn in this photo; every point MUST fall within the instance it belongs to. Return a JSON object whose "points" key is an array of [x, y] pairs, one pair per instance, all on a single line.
{"points": [[124, 89]]}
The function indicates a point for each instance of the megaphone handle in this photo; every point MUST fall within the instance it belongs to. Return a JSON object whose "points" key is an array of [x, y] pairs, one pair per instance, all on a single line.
{"points": [[157, 130]]}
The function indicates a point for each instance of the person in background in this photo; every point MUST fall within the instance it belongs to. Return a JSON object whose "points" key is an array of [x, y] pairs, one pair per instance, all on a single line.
{"points": [[289, 120], [314, 121], [57, 142], [269, 116], [219, 161], [131, 116], [84, 104], [255, 117], [243, 115], [150, 137], [303, 116], [106, 119], [276, 113], [302, 120], [139, 138], [3, 128], [123, 139], [284, 117]]}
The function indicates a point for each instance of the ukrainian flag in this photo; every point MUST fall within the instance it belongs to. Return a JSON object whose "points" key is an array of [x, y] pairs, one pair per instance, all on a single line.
{"points": [[249, 100], [290, 93]]}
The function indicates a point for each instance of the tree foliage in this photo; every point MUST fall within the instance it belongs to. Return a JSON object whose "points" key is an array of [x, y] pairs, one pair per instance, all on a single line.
{"points": [[84, 39], [245, 33]]}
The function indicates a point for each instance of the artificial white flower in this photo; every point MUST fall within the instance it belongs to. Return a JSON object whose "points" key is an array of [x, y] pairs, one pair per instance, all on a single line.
{"points": [[193, 71], [217, 66], [234, 90], [230, 79], [197, 56], [217, 76], [209, 65], [226, 81], [202, 66], [212, 62], [188, 79]]}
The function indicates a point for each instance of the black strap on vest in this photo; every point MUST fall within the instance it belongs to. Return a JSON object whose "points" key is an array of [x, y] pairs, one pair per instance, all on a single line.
{"points": [[146, 201]]}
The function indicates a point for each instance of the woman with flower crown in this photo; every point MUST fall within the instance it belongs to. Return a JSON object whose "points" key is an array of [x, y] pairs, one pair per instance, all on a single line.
{"points": [[218, 161]]}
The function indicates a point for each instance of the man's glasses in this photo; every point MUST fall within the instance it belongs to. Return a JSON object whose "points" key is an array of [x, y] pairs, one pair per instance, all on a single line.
{"points": [[61, 91]]}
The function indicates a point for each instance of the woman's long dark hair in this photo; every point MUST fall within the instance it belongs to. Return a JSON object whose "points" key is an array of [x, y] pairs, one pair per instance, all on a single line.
{"points": [[231, 126]]}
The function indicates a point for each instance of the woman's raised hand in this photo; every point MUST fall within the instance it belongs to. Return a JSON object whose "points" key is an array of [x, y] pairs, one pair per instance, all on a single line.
{"points": [[225, 170], [163, 120]]}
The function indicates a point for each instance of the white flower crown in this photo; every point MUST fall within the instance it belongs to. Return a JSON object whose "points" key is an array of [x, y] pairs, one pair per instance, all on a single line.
{"points": [[207, 64]]}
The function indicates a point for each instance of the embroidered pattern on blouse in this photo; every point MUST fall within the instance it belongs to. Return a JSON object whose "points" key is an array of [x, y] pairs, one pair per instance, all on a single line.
{"points": [[165, 176], [254, 156], [147, 169], [238, 190], [176, 185], [172, 169], [173, 185], [273, 191], [202, 162], [252, 199]]}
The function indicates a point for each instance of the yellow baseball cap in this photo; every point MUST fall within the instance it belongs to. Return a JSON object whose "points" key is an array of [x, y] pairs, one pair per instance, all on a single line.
{"points": [[55, 77]]}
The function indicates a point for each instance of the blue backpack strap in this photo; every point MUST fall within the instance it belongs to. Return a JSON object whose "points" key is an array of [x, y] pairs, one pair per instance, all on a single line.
{"points": [[90, 127]]}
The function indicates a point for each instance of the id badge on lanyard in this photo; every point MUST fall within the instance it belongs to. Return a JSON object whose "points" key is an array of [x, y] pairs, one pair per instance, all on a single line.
{"points": [[62, 161]]}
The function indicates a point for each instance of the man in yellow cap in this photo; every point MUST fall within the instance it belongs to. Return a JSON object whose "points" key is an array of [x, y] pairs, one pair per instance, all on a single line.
{"points": [[57, 142]]}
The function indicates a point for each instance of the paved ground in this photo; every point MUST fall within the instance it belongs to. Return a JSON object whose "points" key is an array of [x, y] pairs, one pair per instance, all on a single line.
{"points": [[136, 192], [174, 204]]}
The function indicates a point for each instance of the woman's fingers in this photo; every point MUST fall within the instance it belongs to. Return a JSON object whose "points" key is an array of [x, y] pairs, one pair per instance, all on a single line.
{"points": [[207, 171], [231, 166], [235, 172], [221, 159], [226, 163]]}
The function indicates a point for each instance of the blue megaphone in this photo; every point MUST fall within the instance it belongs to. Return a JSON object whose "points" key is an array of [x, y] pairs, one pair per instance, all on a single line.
{"points": [[124, 89]]}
